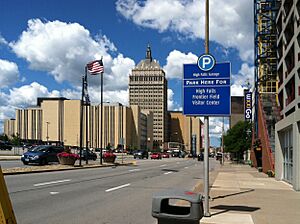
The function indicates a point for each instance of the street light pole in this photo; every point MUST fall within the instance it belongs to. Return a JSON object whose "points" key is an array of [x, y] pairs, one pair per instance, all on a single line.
{"points": [[206, 125], [222, 159], [47, 137]]}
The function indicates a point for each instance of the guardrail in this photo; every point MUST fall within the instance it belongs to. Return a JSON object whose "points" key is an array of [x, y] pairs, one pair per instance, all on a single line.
{"points": [[15, 151]]}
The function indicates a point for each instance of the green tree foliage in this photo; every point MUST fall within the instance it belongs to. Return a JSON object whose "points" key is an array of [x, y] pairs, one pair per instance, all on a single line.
{"points": [[238, 138], [16, 140], [4, 137]]}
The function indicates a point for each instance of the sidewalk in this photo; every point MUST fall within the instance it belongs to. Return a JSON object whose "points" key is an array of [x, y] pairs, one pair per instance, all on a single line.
{"points": [[242, 195], [13, 157]]}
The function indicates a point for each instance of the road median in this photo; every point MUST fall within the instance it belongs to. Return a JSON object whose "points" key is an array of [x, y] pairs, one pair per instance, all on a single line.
{"points": [[58, 167]]}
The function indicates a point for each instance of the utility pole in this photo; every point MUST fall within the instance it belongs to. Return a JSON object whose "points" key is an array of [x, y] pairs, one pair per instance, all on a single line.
{"points": [[47, 137], [222, 159], [206, 125]]}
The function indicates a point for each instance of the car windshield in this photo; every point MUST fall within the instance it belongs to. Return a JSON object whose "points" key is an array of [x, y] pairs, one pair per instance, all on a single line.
{"points": [[40, 148]]}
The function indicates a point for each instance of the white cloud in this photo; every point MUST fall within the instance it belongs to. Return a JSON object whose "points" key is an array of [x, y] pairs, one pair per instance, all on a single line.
{"points": [[245, 75], [175, 61], [9, 73], [230, 20], [241, 80], [172, 105], [3, 41], [21, 97], [27, 95], [118, 96], [170, 99], [63, 49]]}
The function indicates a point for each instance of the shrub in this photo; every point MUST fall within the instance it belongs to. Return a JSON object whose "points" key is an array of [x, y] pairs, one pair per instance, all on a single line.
{"points": [[68, 155]]}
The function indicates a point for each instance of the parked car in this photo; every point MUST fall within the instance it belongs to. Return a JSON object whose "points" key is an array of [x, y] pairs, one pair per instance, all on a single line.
{"points": [[42, 154], [178, 153], [200, 157], [140, 154], [89, 154], [156, 155], [165, 155], [219, 156], [5, 146]]}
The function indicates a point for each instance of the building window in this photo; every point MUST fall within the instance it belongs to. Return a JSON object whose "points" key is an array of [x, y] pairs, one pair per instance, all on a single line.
{"points": [[287, 137]]}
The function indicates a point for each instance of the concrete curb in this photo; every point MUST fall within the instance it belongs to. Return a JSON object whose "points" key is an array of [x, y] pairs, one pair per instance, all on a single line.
{"points": [[68, 168], [10, 159]]}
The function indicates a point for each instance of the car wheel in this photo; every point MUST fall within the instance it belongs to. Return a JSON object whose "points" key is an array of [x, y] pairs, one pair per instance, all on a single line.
{"points": [[25, 163], [43, 162]]}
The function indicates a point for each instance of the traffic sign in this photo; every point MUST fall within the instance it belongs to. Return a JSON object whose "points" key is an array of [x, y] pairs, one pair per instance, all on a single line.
{"points": [[248, 106], [206, 62], [206, 93]]}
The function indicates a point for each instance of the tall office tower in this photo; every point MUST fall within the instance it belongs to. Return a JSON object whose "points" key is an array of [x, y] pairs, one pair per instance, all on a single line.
{"points": [[148, 89]]}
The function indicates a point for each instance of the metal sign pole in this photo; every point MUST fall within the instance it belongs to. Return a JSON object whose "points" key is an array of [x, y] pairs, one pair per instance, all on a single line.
{"points": [[206, 125]]}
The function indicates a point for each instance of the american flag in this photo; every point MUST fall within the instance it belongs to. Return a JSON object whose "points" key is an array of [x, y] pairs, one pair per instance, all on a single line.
{"points": [[95, 67]]}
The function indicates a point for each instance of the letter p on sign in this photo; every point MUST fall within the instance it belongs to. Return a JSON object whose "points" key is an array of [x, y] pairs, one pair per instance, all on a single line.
{"points": [[206, 62]]}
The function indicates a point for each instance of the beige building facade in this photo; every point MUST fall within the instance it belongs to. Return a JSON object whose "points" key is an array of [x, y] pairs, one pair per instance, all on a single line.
{"points": [[57, 121], [184, 128], [148, 89], [28, 123], [9, 127]]}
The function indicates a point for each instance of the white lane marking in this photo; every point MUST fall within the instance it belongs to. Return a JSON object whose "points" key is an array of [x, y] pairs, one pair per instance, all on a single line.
{"points": [[54, 192], [185, 167], [168, 172], [51, 182], [134, 170], [116, 188], [163, 165]]}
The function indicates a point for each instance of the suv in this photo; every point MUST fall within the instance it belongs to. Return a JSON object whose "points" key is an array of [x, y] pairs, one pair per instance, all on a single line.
{"points": [[90, 155], [42, 154], [140, 154]]}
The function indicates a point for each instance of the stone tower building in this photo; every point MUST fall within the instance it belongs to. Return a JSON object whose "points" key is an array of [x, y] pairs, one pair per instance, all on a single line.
{"points": [[148, 89]]}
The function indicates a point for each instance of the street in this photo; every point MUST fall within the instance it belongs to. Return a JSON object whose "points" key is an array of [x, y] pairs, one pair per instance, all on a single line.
{"points": [[102, 195]]}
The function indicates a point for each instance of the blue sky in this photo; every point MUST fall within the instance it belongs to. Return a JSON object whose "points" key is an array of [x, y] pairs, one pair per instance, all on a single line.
{"points": [[44, 46]]}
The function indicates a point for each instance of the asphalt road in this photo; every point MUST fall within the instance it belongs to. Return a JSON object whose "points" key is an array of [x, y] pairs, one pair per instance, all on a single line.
{"points": [[101, 195]]}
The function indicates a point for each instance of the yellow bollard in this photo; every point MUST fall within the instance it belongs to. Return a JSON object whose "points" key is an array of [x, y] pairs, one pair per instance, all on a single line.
{"points": [[7, 215]]}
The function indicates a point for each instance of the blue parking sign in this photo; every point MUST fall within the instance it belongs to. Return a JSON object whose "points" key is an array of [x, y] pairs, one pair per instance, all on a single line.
{"points": [[206, 62], [206, 92]]}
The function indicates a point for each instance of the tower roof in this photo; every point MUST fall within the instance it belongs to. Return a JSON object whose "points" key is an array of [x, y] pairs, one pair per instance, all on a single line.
{"points": [[148, 62]]}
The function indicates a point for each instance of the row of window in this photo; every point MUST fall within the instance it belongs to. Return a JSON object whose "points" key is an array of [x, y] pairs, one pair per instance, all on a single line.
{"points": [[146, 78]]}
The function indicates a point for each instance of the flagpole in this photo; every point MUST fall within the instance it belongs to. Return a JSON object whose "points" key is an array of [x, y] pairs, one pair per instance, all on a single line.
{"points": [[101, 116], [81, 122], [86, 121]]}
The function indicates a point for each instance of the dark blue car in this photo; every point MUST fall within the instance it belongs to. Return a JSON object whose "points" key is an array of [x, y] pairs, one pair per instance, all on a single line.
{"points": [[42, 154]]}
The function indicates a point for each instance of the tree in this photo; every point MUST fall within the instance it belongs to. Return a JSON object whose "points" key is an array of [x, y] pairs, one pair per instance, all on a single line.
{"points": [[16, 140], [4, 137], [238, 138]]}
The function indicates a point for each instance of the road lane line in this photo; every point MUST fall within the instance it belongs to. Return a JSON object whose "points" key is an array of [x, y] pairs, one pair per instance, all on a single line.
{"points": [[54, 192], [51, 182], [116, 188], [168, 172], [134, 170], [163, 165], [185, 167]]}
